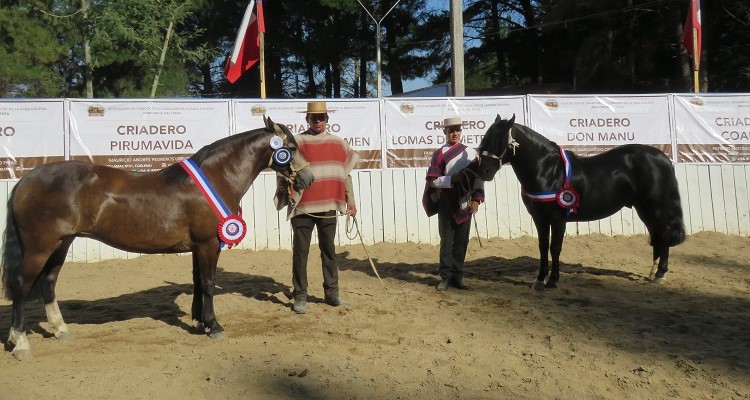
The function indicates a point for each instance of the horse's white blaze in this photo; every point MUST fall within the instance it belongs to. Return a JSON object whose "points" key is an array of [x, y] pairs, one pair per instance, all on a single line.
{"points": [[55, 318]]}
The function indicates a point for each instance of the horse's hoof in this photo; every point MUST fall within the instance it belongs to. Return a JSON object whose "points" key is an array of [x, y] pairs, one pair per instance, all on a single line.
{"points": [[652, 274], [63, 335], [22, 355], [659, 281], [550, 285], [538, 286], [221, 335]]}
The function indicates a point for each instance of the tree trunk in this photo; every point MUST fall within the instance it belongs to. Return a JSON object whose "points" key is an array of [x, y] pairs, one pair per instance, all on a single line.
{"points": [[311, 90], [329, 82], [497, 44], [393, 67], [88, 70], [336, 80], [208, 83]]}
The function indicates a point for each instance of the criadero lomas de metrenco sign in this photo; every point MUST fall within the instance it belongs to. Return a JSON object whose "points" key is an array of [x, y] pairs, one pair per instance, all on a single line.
{"points": [[161, 132]]}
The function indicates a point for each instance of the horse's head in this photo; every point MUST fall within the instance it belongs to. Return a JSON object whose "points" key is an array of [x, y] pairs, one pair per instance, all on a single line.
{"points": [[297, 172], [495, 146]]}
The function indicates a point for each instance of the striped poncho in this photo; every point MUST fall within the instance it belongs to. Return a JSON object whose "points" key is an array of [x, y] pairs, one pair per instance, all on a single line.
{"points": [[447, 161], [331, 160]]}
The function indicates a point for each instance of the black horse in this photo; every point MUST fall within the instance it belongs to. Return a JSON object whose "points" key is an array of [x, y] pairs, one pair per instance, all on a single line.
{"points": [[156, 212], [558, 187]]}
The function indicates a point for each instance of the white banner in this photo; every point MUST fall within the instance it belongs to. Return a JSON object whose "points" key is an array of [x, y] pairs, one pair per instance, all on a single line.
{"points": [[31, 134], [411, 125], [589, 125], [712, 128], [356, 121], [144, 135]]}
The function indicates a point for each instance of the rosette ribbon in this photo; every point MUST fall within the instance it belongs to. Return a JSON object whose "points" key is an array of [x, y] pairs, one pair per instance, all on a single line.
{"points": [[566, 197], [232, 228]]}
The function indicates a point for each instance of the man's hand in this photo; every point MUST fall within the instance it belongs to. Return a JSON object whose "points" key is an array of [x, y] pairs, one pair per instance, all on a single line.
{"points": [[458, 178], [351, 209], [473, 207]]}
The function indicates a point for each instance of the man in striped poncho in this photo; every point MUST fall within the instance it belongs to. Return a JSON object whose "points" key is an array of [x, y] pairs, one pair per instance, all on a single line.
{"points": [[331, 161], [444, 196]]}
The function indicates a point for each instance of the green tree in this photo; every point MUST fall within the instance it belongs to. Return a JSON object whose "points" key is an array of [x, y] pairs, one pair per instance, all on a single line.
{"points": [[31, 57]]}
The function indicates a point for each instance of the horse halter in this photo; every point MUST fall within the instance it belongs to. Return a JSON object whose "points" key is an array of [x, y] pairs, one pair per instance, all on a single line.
{"points": [[511, 144]]}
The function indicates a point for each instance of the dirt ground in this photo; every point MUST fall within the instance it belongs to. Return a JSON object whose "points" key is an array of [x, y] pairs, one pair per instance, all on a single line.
{"points": [[605, 333]]}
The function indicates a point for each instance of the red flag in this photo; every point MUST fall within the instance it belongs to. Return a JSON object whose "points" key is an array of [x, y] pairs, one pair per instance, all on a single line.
{"points": [[693, 22], [247, 46]]}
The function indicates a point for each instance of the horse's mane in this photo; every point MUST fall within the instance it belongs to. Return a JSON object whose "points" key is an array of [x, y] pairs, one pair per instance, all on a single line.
{"points": [[175, 174], [495, 141]]}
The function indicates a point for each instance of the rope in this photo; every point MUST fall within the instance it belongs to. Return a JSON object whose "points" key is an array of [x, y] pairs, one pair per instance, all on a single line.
{"points": [[348, 230], [356, 225], [476, 228], [466, 187]]}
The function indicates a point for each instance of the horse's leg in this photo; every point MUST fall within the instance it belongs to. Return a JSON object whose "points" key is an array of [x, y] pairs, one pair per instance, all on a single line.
{"points": [[208, 256], [653, 217], [542, 229], [661, 261], [196, 311], [50, 274], [558, 233], [648, 216]]}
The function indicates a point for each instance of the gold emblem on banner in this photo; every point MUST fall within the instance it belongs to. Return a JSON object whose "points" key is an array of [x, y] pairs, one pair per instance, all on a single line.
{"points": [[96, 111], [407, 108], [257, 111], [553, 104], [696, 102]]}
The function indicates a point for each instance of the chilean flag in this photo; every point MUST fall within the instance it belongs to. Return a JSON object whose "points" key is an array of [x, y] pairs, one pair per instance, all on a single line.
{"points": [[693, 22], [246, 51]]}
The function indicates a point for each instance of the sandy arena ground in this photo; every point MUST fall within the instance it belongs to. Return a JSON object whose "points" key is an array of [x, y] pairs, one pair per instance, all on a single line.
{"points": [[605, 333]]}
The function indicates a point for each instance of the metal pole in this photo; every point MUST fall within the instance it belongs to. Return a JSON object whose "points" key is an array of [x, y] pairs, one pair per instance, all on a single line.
{"points": [[377, 41], [457, 45], [377, 57]]}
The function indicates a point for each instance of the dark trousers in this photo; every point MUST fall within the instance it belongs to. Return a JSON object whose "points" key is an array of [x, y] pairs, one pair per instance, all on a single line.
{"points": [[454, 239], [303, 225]]}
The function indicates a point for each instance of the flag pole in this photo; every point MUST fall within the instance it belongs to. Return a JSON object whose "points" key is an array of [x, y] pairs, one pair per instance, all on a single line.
{"points": [[696, 62], [261, 40]]}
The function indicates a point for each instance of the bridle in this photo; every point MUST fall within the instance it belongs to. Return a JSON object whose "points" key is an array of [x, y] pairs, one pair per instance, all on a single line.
{"points": [[511, 144]]}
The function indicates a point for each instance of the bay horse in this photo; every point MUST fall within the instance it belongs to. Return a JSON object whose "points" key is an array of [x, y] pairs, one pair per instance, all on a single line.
{"points": [[155, 212], [559, 187]]}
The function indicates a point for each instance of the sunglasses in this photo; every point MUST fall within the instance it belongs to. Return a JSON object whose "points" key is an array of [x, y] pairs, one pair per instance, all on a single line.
{"points": [[318, 117], [451, 129]]}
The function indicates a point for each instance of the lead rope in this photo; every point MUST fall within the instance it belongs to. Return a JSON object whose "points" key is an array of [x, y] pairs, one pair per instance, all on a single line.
{"points": [[348, 229], [466, 188]]}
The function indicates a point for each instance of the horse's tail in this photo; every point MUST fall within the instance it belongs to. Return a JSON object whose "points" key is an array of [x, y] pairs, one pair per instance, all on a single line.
{"points": [[675, 223], [12, 251]]}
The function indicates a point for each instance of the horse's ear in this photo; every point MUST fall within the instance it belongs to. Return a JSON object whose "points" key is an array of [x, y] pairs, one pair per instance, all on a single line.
{"points": [[498, 118], [512, 120], [269, 122]]}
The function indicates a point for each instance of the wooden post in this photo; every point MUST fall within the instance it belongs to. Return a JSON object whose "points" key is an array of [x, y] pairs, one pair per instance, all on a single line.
{"points": [[696, 62], [262, 45]]}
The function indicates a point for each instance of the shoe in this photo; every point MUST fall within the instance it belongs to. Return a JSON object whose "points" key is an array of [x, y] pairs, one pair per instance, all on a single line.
{"points": [[336, 301], [459, 283], [442, 286], [300, 306]]}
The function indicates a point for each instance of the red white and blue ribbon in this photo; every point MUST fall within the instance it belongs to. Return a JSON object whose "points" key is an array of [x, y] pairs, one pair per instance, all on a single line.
{"points": [[566, 197], [232, 228]]}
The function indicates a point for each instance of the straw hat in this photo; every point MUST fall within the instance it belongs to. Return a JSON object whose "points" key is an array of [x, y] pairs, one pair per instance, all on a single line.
{"points": [[452, 121], [317, 107]]}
